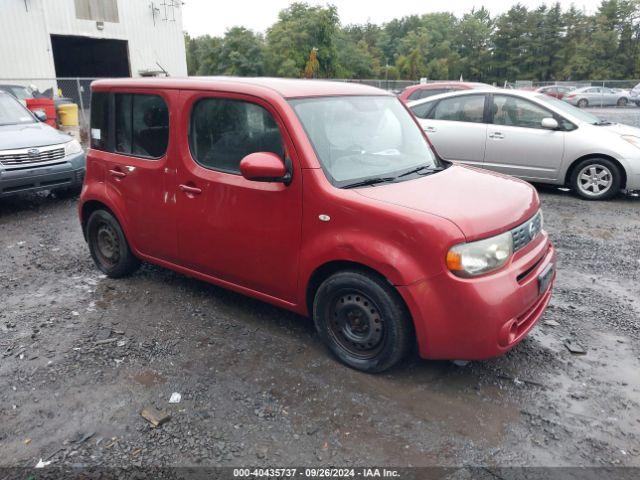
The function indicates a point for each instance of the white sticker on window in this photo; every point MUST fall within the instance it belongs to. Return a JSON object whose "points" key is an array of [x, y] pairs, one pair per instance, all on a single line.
{"points": [[96, 133]]}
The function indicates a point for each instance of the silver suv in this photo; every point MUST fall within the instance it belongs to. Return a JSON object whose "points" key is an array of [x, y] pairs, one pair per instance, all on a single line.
{"points": [[33, 155]]}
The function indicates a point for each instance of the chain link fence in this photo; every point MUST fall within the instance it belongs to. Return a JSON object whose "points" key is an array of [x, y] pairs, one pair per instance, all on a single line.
{"points": [[606, 93], [61, 90]]}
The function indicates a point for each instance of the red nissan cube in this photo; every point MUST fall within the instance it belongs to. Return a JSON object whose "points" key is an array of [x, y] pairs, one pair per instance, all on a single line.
{"points": [[322, 198]]}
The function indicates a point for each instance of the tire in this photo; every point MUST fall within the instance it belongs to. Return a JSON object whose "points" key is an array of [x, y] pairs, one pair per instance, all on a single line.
{"points": [[583, 103], [622, 102], [108, 245], [596, 179], [363, 321], [637, 104]]}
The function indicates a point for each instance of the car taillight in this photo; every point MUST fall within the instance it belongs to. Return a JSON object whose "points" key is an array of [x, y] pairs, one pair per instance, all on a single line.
{"points": [[571, 95]]}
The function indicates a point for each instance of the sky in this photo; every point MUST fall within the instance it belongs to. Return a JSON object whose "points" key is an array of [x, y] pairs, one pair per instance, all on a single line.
{"points": [[214, 17]]}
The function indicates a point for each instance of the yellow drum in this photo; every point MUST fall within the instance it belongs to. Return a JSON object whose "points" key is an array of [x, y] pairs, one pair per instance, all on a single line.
{"points": [[68, 114]]}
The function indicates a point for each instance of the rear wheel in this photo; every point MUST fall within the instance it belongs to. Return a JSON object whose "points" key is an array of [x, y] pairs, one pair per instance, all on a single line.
{"points": [[622, 102], [583, 103], [363, 321], [108, 245], [596, 179]]}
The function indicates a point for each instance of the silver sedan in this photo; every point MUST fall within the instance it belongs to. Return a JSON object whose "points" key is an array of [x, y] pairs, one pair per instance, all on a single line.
{"points": [[534, 137], [597, 97]]}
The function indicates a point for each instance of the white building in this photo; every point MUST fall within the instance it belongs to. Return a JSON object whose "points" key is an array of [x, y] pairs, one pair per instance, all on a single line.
{"points": [[90, 38]]}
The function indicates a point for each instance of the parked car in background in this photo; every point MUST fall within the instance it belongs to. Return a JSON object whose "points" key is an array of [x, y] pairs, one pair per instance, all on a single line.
{"points": [[556, 91], [634, 95], [597, 97], [34, 156], [334, 187], [424, 90], [534, 137], [18, 91]]}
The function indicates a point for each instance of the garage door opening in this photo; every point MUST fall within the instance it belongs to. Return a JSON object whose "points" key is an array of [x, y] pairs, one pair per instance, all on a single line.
{"points": [[90, 57]]}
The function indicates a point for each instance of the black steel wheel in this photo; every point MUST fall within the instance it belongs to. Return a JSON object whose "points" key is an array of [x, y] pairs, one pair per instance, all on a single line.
{"points": [[108, 246], [363, 320], [356, 323]]}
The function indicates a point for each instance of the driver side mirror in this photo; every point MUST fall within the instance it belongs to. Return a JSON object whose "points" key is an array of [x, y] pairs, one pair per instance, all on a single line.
{"points": [[40, 115], [265, 167], [550, 123]]}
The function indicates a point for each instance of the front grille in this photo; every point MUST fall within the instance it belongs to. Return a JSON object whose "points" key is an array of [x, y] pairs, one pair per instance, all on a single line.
{"points": [[525, 233], [27, 157]]}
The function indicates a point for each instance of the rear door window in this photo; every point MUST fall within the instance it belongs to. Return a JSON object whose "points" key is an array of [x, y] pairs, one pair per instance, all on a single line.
{"points": [[463, 108], [141, 125]]}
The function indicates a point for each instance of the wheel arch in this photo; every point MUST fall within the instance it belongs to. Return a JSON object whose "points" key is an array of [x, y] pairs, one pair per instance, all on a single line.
{"points": [[324, 271], [88, 208], [574, 164]]}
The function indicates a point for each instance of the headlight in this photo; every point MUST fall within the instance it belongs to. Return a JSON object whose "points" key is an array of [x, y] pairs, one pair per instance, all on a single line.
{"points": [[632, 139], [72, 147], [476, 258]]}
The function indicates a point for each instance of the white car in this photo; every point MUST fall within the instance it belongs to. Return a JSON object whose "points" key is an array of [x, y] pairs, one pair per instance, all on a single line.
{"points": [[534, 137], [597, 97]]}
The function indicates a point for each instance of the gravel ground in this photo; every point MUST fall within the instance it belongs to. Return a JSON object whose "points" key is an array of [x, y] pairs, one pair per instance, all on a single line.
{"points": [[82, 355]]}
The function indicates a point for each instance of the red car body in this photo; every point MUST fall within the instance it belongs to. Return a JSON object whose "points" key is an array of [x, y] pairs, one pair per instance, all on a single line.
{"points": [[423, 90], [179, 215], [556, 91]]}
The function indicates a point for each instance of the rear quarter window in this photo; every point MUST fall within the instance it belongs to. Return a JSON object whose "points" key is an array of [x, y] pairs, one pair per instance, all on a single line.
{"points": [[99, 120]]}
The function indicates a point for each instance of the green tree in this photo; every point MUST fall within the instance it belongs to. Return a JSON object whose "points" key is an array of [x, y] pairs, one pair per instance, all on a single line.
{"points": [[474, 44], [299, 28]]}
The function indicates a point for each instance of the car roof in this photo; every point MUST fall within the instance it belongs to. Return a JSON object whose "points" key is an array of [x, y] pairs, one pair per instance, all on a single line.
{"points": [[446, 83], [494, 90], [287, 88]]}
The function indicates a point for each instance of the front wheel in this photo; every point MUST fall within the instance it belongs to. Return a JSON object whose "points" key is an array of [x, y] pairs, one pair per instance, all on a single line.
{"points": [[596, 179], [622, 102], [108, 245], [363, 321]]}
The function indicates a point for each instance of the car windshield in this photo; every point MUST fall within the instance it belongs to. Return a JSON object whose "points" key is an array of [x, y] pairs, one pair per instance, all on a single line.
{"points": [[12, 112], [21, 93], [360, 138], [569, 109]]}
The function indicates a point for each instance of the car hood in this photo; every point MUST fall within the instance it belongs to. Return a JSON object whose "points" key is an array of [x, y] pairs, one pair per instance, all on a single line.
{"points": [[480, 203], [621, 129], [30, 135]]}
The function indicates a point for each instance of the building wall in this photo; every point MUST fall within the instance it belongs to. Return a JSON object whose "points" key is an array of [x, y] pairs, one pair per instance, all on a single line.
{"points": [[25, 44]]}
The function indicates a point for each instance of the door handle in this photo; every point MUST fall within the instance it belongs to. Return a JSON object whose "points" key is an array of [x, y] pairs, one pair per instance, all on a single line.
{"points": [[190, 189], [497, 135], [430, 129], [117, 173]]}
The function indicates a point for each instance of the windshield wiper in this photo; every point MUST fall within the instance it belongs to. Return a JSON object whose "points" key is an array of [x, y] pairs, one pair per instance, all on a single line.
{"points": [[423, 168], [600, 123], [370, 181]]}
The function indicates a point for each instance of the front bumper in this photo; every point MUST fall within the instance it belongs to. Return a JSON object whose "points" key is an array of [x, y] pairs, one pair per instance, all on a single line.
{"points": [[476, 319], [632, 170], [67, 174]]}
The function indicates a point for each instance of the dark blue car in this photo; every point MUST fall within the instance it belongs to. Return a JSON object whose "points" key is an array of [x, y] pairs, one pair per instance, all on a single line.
{"points": [[34, 156]]}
